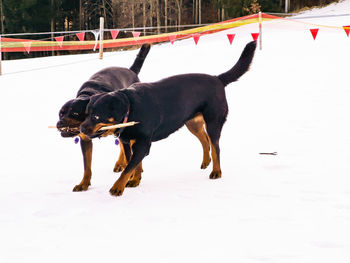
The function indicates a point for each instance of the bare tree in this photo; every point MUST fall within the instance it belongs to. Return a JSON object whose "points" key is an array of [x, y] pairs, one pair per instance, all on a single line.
{"points": [[196, 13], [2, 18], [80, 15], [133, 13], [151, 13], [158, 16], [52, 22], [179, 12], [199, 12], [144, 16], [166, 15]]}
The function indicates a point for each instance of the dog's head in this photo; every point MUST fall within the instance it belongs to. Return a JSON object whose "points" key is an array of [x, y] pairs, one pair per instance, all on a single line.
{"points": [[71, 116], [105, 110]]}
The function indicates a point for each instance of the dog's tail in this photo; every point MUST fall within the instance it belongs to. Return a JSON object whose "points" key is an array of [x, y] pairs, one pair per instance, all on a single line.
{"points": [[140, 58], [242, 65]]}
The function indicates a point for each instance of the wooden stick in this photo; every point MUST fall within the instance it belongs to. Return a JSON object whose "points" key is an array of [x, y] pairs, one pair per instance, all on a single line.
{"points": [[116, 126], [120, 125], [55, 127]]}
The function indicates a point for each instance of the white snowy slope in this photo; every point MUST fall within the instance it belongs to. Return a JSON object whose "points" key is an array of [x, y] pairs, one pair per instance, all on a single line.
{"points": [[292, 207]]}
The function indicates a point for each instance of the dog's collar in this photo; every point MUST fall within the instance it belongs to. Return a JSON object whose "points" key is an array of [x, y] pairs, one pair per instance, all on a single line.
{"points": [[118, 132]]}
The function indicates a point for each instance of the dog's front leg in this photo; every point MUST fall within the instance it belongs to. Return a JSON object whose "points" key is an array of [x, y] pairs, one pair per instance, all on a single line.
{"points": [[140, 149], [86, 148], [122, 161]]}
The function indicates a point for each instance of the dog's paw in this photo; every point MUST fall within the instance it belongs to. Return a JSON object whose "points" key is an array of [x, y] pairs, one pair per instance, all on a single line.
{"points": [[80, 188], [116, 191], [118, 168], [205, 163], [133, 183], [215, 175]]}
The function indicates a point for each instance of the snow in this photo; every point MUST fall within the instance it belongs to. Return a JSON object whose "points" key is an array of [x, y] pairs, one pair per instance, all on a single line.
{"points": [[292, 207]]}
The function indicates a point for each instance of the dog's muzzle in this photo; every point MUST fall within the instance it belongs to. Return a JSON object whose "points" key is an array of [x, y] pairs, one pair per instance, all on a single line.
{"points": [[66, 130]]}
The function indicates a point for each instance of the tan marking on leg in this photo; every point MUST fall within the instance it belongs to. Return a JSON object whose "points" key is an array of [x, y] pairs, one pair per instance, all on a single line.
{"points": [[87, 156], [135, 179], [196, 127], [121, 162], [119, 186], [216, 173]]}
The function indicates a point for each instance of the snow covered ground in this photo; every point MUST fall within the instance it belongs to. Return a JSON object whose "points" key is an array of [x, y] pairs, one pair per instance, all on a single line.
{"points": [[292, 207]]}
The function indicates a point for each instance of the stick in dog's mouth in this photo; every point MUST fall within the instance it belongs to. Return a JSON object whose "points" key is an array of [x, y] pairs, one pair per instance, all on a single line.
{"points": [[116, 126]]}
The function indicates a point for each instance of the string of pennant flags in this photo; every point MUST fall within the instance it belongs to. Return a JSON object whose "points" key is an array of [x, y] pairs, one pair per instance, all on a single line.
{"points": [[59, 43]]}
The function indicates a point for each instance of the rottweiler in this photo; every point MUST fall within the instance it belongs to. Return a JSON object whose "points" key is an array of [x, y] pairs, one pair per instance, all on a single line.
{"points": [[73, 113], [163, 107]]}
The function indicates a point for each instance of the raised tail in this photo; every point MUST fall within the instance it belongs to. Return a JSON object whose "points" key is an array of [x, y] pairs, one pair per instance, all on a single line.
{"points": [[242, 65], [140, 58]]}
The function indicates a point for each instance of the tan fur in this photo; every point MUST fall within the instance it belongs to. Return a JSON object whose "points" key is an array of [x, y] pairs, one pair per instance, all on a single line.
{"points": [[197, 127]]}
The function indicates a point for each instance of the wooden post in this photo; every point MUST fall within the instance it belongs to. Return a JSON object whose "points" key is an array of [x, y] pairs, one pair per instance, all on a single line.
{"points": [[101, 36], [260, 31], [286, 6]]}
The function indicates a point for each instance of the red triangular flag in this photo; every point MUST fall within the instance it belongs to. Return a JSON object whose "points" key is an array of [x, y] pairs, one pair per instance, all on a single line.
{"points": [[347, 30], [27, 45], [255, 36], [230, 37], [314, 32], [81, 36], [196, 38], [172, 38], [59, 40], [136, 34], [114, 33]]}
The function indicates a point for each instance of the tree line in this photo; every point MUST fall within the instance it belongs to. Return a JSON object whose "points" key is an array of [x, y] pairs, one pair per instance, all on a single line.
{"points": [[154, 16]]}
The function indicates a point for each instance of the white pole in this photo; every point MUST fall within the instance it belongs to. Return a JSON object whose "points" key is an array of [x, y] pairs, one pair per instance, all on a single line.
{"points": [[260, 31], [101, 36], [0, 56], [286, 6]]}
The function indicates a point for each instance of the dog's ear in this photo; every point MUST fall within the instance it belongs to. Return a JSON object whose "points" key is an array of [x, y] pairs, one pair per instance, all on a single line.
{"points": [[119, 105], [81, 103]]}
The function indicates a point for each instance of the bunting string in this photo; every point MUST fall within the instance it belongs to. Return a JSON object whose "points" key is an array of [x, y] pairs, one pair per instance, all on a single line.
{"points": [[62, 43]]}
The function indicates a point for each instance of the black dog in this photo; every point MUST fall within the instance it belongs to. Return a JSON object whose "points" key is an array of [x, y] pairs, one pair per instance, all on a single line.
{"points": [[73, 112], [163, 107]]}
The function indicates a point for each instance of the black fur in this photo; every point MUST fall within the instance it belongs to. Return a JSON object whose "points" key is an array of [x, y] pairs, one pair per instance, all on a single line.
{"points": [[163, 107], [72, 113]]}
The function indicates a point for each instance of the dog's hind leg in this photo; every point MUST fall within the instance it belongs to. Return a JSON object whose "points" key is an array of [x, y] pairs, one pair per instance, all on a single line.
{"points": [[139, 150], [86, 148], [121, 162], [214, 126], [196, 127]]}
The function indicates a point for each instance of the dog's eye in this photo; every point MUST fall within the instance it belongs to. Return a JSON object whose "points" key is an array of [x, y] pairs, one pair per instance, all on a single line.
{"points": [[75, 113], [96, 117]]}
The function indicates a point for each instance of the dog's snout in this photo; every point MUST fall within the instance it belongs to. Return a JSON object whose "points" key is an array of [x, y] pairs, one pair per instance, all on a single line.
{"points": [[60, 124]]}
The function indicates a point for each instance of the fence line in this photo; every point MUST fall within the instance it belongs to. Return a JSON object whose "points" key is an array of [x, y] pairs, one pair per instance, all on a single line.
{"points": [[129, 29]]}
